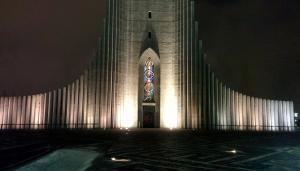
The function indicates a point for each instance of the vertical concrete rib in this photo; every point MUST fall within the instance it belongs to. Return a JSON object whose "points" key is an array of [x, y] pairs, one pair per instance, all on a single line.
{"points": [[276, 115], [232, 110], [80, 102], [244, 106], [228, 118], [208, 97], [270, 114], [288, 114], [233, 113], [213, 105], [292, 115], [224, 107], [216, 84], [18, 111], [59, 108], [54, 108], [260, 113], [220, 99], [97, 100]]}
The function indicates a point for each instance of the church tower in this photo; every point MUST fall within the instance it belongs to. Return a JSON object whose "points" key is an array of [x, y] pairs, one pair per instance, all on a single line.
{"points": [[148, 72], [164, 34]]}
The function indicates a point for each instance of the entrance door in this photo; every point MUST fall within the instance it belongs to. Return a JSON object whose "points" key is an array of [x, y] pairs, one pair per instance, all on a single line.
{"points": [[148, 116]]}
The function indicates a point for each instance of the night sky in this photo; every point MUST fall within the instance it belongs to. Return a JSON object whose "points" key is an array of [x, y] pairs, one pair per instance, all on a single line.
{"points": [[252, 45]]}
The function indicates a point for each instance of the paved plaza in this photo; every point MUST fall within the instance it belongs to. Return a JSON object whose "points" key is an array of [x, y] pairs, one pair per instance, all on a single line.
{"points": [[149, 149]]}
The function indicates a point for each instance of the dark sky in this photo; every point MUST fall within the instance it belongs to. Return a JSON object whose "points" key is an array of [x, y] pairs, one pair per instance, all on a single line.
{"points": [[45, 44], [253, 45]]}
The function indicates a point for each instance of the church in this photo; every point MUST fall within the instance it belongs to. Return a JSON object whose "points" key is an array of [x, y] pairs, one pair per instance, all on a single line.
{"points": [[148, 71]]}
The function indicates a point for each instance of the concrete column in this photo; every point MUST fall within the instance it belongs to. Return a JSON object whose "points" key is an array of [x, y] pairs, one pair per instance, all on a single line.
{"points": [[232, 108], [92, 94], [252, 121], [104, 78], [44, 110], [19, 111], [248, 112], [220, 99], [76, 101], [28, 112], [113, 69], [240, 103], [33, 112], [64, 107], [276, 111], [244, 104], [291, 109], [196, 72], [269, 107], [288, 114], [5, 109], [256, 114], [35, 107], [224, 107], [264, 111], [209, 116], [54, 109], [272, 115], [80, 102], [218, 109], [59, 108], [280, 118], [10, 112], [276, 114], [39, 110], [85, 99], [68, 113], [13, 112], [260, 114], [225, 98], [1, 112], [236, 104], [228, 118], [48, 110], [283, 115], [204, 96], [7, 112], [72, 104], [213, 96], [98, 73], [292, 115], [187, 74], [110, 63], [4, 121]]}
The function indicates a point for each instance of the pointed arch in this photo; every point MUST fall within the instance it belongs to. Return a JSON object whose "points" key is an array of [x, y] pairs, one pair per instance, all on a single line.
{"points": [[149, 52]]}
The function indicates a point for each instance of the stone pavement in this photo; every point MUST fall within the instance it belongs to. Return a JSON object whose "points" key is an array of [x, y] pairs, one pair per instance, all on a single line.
{"points": [[162, 149]]}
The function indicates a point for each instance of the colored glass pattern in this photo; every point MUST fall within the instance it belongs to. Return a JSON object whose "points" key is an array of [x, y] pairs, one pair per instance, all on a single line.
{"points": [[149, 81]]}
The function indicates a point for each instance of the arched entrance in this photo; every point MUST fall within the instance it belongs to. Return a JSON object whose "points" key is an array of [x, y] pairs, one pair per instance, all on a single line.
{"points": [[149, 86]]}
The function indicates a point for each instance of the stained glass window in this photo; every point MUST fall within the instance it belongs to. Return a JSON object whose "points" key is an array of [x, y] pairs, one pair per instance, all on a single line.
{"points": [[149, 81]]}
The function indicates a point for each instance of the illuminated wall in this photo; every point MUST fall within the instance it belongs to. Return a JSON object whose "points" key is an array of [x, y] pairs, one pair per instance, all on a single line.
{"points": [[108, 93]]}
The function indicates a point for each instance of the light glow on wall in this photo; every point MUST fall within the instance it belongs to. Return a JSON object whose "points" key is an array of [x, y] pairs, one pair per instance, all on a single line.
{"points": [[170, 109], [128, 114]]}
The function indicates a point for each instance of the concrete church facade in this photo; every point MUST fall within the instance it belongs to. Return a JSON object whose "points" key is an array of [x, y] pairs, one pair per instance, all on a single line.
{"points": [[148, 71]]}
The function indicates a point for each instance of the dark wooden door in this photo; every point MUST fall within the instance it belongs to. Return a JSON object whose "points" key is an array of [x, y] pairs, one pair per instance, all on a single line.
{"points": [[148, 116]]}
